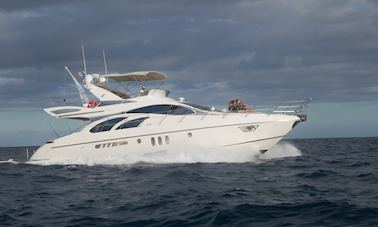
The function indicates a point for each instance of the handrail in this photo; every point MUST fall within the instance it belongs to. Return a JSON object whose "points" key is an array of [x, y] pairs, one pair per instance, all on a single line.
{"points": [[204, 115], [289, 107]]}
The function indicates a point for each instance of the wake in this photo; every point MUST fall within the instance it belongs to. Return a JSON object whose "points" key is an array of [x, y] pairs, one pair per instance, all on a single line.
{"points": [[11, 161]]}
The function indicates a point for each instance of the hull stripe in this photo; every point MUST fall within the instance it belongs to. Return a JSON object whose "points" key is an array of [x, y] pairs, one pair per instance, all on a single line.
{"points": [[184, 130], [253, 141]]}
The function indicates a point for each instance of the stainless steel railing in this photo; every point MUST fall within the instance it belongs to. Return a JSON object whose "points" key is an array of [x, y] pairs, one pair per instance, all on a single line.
{"points": [[287, 108]]}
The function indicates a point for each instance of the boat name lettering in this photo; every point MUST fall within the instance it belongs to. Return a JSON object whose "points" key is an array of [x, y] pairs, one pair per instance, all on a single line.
{"points": [[113, 144]]}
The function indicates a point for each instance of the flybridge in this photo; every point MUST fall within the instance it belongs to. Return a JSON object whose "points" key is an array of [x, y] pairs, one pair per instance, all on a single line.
{"points": [[135, 76], [97, 84], [109, 99]]}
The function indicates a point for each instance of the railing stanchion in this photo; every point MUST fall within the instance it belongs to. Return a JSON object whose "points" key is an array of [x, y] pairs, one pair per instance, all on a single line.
{"points": [[205, 115]]}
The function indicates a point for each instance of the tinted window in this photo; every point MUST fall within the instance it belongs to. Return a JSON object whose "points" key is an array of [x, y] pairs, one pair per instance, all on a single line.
{"points": [[204, 108], [132, 123], [106, 125], [163, 109], [179, 110]]}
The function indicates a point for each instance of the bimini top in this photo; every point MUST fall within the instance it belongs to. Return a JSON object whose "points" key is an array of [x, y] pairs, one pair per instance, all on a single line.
{"points": [[135, 76]]}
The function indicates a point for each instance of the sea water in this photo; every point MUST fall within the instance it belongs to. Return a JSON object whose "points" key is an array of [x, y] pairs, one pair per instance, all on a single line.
{"points": [[310, 182]]}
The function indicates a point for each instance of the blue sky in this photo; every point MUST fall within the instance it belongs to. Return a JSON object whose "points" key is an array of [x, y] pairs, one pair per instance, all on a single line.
{"points": [[211, 51]]}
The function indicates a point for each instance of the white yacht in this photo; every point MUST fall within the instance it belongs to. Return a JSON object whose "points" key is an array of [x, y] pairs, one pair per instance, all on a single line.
{"points": [[152, 122]]}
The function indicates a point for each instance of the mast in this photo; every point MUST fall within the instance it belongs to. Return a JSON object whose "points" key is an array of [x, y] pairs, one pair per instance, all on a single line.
{"points": [[105, 67], [83, 96], [84, 64]]}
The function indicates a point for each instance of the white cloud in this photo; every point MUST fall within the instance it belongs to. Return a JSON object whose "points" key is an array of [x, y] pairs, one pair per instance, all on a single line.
{"points": [[4, 81], [373, 89], [221, 20]]}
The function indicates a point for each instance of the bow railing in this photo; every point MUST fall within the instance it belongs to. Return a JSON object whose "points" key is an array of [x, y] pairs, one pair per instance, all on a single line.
{"points": [[287, 107]]}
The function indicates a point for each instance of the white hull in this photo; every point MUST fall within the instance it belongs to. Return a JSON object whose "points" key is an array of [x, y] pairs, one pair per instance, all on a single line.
{"points": [[252, 132]]}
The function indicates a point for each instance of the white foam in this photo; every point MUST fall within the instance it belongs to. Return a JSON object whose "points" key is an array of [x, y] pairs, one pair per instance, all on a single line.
{"points": [[9, 161], [282, 150], [187, 154]]}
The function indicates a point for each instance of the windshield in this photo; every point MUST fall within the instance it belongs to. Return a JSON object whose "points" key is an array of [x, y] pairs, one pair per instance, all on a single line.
{"points": [[163, 109], [204, 108]]}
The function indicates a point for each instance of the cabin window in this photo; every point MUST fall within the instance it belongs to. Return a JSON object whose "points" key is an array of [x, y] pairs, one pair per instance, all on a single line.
{"points": [[106, 125], [139, 140], [132, 123], [163, 109], [167, 139], [153, 141], [160, 141], [190, 134]]}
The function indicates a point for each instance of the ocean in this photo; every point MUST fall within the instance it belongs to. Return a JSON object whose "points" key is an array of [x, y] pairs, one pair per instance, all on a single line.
{"points": [[306, 182]]}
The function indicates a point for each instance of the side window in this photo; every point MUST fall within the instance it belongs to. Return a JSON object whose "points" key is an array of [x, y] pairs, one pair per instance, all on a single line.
{"points": [[163, 109], [106, 125], [132, 123], [159, 109], [179, 110]]}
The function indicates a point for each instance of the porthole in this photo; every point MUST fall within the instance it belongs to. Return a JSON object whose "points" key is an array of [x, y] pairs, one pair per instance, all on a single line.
{"points": [[160, 141], [190, 134], [139, 140], [152, 141], [166, 139]]}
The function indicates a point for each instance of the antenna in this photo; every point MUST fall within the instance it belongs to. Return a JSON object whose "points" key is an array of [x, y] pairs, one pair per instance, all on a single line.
{"points": [[103, 55], [84, 64], [83, 96]]}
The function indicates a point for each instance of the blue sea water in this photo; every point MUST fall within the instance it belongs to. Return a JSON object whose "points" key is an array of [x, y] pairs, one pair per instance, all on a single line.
{"points": [[330, 182]]}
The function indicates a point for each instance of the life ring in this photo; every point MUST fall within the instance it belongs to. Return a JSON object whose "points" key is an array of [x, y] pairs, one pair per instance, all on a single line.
{"points": [[92, 104]]}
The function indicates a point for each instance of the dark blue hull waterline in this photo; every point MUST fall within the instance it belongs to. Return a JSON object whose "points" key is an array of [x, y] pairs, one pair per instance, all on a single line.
{"points": [[333, 183]]}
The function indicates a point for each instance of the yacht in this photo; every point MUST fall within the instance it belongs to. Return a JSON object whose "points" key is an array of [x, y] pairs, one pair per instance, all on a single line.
{"points": [[153, 122]]}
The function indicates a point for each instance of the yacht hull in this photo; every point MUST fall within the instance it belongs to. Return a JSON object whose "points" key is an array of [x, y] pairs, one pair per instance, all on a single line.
{"points": [[251, 133]]}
